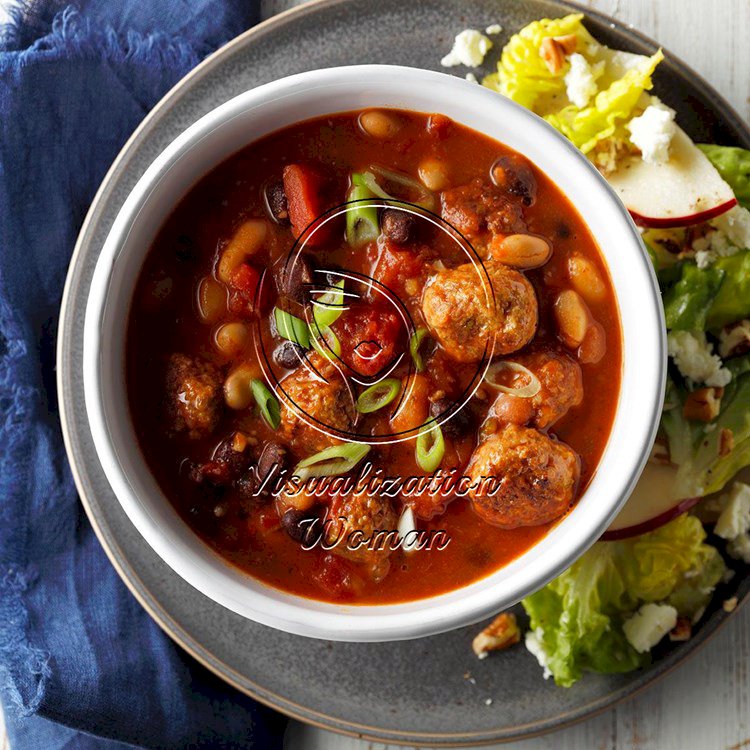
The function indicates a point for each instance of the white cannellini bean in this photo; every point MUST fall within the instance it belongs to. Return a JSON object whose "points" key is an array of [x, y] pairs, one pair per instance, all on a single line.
{"points": [[211, 300], [586, 280], [237, 390], [433, 174], [573, 318], [233, 339], [379, 124], [522, 251]]}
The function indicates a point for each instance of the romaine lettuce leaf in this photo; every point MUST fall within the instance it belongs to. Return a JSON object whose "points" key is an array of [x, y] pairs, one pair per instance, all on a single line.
{"points": [[732, 301], [612, 108], [522, 75], [699, 449], [734, 166], [578, 617], [688, 301]]}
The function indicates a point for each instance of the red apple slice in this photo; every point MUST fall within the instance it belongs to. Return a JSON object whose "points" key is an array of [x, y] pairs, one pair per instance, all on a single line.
{"points": [[651, 505], [685, 190]]}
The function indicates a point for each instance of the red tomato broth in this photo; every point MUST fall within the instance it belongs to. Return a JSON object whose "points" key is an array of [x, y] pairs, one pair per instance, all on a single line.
{"points": [[163, 319]]}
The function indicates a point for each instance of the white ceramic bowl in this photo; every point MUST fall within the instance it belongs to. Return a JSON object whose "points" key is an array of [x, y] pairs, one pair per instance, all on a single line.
{"points": [[240, 122]]}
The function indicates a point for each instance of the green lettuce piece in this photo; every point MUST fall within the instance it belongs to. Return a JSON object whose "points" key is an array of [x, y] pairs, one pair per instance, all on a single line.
{"points": [[733, 164], [696, 447], [578, 617], [522, 75], [688, 301], [611, 109], [732, 302]]}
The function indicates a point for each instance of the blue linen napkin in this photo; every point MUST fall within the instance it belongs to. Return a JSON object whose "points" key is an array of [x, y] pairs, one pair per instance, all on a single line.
{"points": [[75, 646]]}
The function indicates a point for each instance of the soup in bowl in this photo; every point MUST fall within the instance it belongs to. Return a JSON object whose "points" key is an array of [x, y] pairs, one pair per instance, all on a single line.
{"points": [[373, 362]]}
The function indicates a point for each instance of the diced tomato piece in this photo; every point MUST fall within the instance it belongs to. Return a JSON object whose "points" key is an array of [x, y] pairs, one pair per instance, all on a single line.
{"points": [[370, 338], [305, 194], [244, 287], [336, 578], [395, 265], [269, 519]]}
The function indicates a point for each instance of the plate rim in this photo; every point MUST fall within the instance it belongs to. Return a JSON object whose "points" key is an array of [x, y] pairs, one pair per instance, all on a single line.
{"points": [[143, 594]]}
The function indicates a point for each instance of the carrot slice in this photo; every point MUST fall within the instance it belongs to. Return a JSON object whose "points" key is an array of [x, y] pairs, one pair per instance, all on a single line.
{"points": [[304, 186]]}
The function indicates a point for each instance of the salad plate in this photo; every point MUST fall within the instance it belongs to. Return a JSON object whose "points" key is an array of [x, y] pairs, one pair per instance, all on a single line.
{"points": [[434, 690]]}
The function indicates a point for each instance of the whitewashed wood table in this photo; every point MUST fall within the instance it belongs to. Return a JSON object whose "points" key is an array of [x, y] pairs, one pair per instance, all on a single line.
{"points": [[704, 705]]}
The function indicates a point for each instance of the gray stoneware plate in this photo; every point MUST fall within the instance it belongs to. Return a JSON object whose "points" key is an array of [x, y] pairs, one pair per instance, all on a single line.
{"points": [[411, 692]]}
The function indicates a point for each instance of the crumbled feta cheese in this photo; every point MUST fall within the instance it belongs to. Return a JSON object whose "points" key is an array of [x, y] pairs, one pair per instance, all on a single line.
{"points": [[580, 80], [735, 226], [694, 357], [471, 78], [469, 48], [652, 133], [649, 625], [727, 235], [739, 548], [533, 642], [493, 28], [735, 518]]}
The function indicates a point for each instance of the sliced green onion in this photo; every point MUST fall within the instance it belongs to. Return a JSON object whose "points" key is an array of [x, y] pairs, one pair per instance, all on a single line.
{"points": [[267, 403], [361, 220], [338, 459], [430, 447], [327, 308], [324, 341], [379, 395], [291, 328], [425, 198], [415, 342], [525, 391]]}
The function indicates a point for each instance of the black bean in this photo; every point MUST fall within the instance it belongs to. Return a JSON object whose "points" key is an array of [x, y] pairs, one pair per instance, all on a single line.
{"points": [[288, 354], [513, 174], [272, 461], [460, 422], [302, 527], [294, 278], [277, 202], [226, 465], [398, 226]]}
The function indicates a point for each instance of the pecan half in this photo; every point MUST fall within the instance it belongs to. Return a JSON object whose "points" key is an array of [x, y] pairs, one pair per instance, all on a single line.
{"points": [[501, 633], [554, 49], [703, 405]]}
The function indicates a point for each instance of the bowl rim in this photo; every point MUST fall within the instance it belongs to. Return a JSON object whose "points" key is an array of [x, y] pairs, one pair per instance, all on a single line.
{"points": [[300, 615]]}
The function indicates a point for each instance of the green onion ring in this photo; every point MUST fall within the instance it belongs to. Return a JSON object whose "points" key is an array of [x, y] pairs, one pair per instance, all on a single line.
{"points": [[267, 403], [430, 447], [330, 346], [291, 328], [327, 308], [338, 459], [526, 391], [379, 395], [415, 342]]}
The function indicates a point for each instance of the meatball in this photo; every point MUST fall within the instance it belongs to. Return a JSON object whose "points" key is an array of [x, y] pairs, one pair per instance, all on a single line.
{"points": [[355, 520], [465, 322], [561, 389], [324, 401], [533, 478], [194, 396], [480, 207]]}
